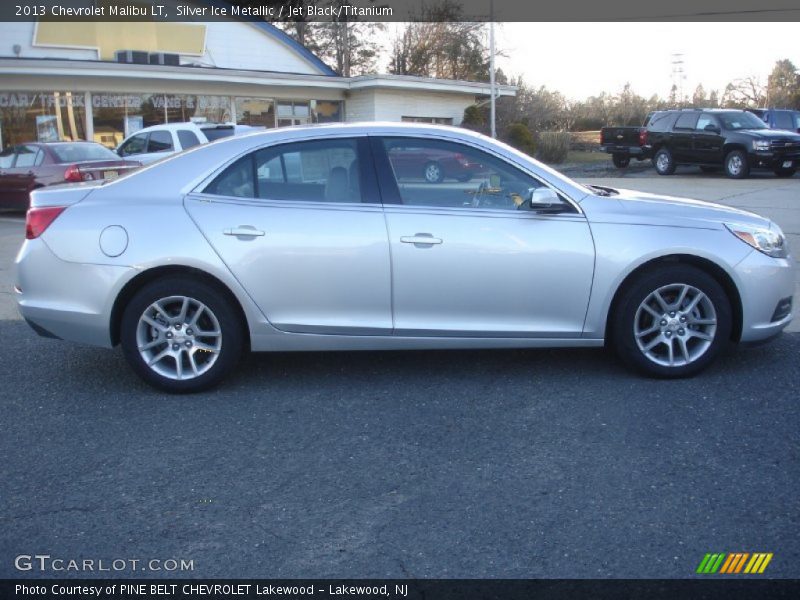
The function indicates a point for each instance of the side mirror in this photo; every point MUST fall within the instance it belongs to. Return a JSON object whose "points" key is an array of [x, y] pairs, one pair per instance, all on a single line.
{"points": [[543, 199], [711, 128]]}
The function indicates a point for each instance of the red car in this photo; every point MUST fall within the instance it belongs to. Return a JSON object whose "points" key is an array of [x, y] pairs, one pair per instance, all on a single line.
{"points": [[25, 167], [431, 164]]}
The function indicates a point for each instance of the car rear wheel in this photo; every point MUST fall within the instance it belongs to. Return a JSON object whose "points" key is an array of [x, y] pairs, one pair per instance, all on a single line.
{"points": [[433, 172], [620, 160], [663, 162], [181, 335], [785, 172], [736, 166], [672, 322]]}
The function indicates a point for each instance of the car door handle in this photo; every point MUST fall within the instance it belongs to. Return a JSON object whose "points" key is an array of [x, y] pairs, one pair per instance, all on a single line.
{"points": [[244, 231], [420, 239]]}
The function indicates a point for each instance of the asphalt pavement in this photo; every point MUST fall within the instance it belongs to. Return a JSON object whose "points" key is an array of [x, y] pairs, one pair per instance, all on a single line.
{"points": [[523, 463]]}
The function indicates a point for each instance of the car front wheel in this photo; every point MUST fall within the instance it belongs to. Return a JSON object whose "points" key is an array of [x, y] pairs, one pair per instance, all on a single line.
{"points": [[736, 166], [181, 335], [672, 322]]}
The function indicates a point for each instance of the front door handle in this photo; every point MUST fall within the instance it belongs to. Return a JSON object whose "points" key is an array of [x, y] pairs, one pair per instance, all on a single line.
{"points": [[421, 239], [244, 231]]}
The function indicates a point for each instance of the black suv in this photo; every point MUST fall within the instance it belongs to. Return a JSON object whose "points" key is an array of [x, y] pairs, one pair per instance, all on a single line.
{"points": [[736, 140]]}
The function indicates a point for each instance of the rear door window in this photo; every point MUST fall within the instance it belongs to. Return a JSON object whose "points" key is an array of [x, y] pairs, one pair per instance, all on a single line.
{"points": [[188, 139], [135, 145], [686, 121], [160, 141], [26, 156]]}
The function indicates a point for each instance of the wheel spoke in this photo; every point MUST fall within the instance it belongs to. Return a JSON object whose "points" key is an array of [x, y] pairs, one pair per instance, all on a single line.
{"points": [[695, 301], [653, 343], [684, 349], [184, 310], [693, 321], [153, 323], [193, 363], [661, 302], [179, 364], [151, 344], [701, 335], [165, 352], [212, 334], [651, 310], [681, 297], [671, 351], [648, 331], [160, 309], [198, 312]]}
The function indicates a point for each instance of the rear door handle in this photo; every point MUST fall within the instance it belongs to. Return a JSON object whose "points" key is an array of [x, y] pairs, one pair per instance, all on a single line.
{"points": [[244, 231], [420, 239]]}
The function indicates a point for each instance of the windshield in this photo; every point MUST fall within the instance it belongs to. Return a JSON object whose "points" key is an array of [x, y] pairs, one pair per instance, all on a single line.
{"points": [[742, 120], [81, 152]]}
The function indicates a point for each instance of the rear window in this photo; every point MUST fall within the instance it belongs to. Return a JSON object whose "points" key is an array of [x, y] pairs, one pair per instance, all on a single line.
{"points": [[661, 121], [160, 141], [79, 152], [217, 133]]}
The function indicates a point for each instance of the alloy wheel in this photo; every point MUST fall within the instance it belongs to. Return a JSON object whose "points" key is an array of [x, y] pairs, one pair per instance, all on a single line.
{"points": [[675, 325]]}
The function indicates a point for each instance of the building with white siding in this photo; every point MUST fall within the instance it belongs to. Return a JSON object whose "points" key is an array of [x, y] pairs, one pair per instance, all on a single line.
{"points": [[102, 81]]}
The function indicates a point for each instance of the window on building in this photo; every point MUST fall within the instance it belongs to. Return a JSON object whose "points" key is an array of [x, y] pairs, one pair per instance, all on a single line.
{"points": [[434, 120], [326, 111], [257, 112], [41, 116], [293, 113]]}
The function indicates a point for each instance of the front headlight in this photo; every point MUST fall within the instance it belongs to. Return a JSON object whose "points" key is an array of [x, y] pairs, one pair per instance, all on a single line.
{"points": [[761, 145], [769, 241]]}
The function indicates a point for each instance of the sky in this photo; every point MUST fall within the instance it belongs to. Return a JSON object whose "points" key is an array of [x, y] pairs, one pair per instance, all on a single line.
{"points": [[584, 59]]}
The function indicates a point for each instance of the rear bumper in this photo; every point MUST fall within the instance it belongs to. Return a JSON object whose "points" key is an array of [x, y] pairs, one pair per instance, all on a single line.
{"points": [[765, 285], [637, 151], [65, 300]]}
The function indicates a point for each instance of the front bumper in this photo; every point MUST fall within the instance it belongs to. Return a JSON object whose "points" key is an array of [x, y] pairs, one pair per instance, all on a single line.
{"points": [[765, 284], [66, 300], [774, 160]]}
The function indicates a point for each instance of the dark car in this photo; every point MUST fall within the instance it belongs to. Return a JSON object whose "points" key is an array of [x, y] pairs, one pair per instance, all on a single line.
{"points": [[736, 140], [26, 167], [624, 143], [432, 165]]}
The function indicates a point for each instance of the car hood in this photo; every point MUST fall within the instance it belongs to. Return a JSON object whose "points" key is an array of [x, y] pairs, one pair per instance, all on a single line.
{"points": [[628, 206], [772, 134]]}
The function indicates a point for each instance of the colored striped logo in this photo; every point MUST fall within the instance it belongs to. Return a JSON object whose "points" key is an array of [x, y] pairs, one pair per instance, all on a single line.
{"points": [[734, 562]]}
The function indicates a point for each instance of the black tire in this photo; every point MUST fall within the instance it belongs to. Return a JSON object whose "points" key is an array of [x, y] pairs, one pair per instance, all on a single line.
{"points": [[620, 160], [736, 165], [627, 316], [663, 162], [433, 172], [230, 340], [785, 172]]}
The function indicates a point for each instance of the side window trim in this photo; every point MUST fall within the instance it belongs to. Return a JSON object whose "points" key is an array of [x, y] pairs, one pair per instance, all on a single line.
{"points": [[369, 187], [390, 191]]}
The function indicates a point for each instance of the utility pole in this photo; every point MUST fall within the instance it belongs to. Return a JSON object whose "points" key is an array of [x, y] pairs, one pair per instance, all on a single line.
{"points": [[678, 75], [491, 68]]}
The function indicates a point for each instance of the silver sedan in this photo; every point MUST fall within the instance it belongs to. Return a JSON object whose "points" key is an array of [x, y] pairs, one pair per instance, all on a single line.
{"points": [[338, 238]]}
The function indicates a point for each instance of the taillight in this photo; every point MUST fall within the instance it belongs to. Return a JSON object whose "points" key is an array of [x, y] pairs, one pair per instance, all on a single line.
{"points": [[642, 136], [37, 220], [73, 174]]}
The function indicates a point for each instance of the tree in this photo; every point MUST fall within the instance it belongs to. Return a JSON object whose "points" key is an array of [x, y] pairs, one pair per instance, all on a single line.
{"points": [[747, 92], [350, 47], [699, 97], [438, 44], [783, 85]]}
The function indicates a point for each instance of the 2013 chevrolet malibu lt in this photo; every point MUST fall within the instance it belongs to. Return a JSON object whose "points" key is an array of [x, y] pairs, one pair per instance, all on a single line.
{"points": [[316, 238]]}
